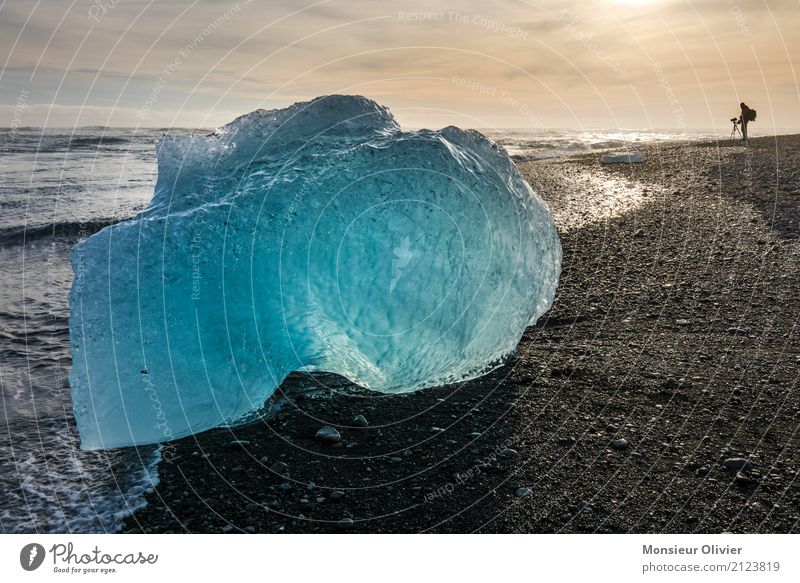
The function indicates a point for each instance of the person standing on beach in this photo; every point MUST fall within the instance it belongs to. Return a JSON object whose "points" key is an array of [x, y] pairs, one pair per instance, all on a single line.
{"points": [[748, 115]]}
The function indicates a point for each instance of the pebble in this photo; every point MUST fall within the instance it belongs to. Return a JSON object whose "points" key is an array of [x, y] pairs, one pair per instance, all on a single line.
{"points": [[736, 463], [345, 523], [360, 421], [522, 492], [682, 322], [227, 528], [239, 443], [328, 436], [280, 468], [507, 452], [620, 444], [336, 495]]}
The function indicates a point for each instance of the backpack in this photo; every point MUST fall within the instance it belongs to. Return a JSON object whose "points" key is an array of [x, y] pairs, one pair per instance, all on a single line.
{"points": [[750, 114]]}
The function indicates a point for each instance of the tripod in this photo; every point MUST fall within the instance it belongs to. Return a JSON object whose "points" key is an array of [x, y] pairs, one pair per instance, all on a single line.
{"points": [[735, 129]]}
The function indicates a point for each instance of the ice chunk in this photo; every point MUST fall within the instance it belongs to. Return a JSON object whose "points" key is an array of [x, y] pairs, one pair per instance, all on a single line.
{"points": [[623, 158], [319, 237]]}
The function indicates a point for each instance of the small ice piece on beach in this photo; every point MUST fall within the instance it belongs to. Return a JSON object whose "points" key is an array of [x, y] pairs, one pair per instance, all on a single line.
{"points": [[320, 237], [623, 158]]}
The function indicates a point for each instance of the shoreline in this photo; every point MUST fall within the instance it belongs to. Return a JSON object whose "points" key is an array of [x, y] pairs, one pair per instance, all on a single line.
{"points": [[672, 349]]}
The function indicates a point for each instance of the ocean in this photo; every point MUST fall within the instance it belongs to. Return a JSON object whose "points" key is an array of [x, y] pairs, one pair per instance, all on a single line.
{"points": [[56, 187]]}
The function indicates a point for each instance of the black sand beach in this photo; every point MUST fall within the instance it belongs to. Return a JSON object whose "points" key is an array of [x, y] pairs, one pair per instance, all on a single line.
{"points": [[670, 359]]}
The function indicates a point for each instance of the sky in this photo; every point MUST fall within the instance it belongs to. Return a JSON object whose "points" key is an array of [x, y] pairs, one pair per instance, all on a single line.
{"points": [[666, 64]]}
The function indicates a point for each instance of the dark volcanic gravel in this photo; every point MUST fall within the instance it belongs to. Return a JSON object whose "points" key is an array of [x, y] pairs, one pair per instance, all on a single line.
{"points": [[660, 394]]}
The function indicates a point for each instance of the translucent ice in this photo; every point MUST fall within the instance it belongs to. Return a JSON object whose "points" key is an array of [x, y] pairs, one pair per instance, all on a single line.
{"points": [[319, 237]]}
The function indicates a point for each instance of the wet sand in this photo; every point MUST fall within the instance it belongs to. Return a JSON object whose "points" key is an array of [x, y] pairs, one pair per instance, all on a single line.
{"points": [[671, 357]]}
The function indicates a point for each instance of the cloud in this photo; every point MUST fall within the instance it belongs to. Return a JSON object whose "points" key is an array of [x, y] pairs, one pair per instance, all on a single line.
{"points": [[576, 62], [70, 116]]}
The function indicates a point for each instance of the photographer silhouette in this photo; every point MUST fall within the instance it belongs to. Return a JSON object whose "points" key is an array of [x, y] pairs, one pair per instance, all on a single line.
{"points": [[748, 115]]}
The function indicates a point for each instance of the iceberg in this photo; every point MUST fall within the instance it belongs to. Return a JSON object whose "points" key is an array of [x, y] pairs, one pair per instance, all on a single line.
{"points": [[320, 237]]}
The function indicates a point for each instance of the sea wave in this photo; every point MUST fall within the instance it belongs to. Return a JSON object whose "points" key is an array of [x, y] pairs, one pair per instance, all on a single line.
{"points": [[57, 488], [67, 231]]}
